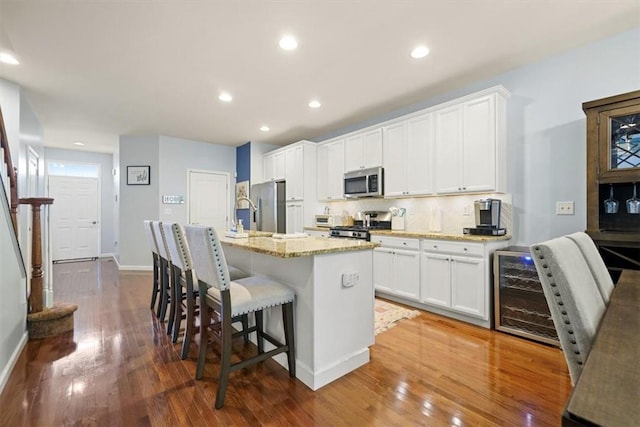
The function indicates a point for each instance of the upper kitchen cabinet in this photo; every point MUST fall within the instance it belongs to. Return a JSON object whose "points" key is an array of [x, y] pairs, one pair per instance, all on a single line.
{"points": [[407, 151], [470, 143], [363, 150], [331, 170], [274, 165]]}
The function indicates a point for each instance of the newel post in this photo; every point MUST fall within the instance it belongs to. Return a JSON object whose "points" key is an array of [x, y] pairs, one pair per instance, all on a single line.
{"points": [[36, 303]]}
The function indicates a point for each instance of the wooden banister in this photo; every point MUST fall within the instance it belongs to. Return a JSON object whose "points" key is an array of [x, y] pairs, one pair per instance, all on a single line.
{"points": [[13, 178]]}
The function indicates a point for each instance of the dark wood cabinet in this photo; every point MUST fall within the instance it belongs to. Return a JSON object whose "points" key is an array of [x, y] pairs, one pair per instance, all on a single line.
{"points": [[613, 178]]}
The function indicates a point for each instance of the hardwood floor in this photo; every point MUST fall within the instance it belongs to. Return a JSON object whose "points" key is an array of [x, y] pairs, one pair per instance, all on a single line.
{"points": [[119, 368]]}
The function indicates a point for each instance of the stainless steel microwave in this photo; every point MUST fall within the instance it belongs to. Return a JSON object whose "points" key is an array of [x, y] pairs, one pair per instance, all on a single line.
{"points": [[364, 183]]}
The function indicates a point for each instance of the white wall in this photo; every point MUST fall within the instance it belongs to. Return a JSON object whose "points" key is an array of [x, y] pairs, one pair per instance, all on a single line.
{"points": [[107, 221], [546, 128], [13, 306], [169, 158]]}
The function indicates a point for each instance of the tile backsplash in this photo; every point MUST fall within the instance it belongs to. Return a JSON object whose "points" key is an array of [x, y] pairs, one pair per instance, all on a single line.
{"points": [[446, 214]]}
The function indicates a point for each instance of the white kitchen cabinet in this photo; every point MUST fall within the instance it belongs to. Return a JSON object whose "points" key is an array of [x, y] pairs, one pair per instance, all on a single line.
{"points": [[274, 166], [396, 266], [470, 144], [363, 150], [407, 150], [331, 170], [294, 172], [455, 277], [295, 217]]}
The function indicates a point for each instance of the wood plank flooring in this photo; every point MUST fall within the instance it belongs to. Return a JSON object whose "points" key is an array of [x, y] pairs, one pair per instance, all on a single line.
{"points": [[119, 368]]}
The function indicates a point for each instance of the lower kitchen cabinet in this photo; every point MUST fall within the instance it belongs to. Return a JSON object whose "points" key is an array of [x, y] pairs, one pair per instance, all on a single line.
{"points": [[396, 266], [295, 217], [454, 282]]}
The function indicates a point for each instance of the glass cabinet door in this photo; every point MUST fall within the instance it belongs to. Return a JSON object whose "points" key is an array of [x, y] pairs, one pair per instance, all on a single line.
{"points": [[620, 141]]}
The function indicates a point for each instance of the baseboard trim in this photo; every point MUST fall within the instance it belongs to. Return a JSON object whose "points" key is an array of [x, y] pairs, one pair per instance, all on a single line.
{"points": [[6, 372]]}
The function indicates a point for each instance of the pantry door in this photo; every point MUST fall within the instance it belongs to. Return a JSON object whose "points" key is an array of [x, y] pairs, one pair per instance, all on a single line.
{"points": [[75, 222], [209, 199]]}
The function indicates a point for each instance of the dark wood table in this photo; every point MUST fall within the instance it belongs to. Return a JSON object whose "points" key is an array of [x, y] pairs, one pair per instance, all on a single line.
{"points": [[608, 390]]}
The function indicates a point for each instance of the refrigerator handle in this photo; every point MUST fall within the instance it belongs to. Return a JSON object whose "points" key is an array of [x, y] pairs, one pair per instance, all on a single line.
{"points": [[258, 213]]}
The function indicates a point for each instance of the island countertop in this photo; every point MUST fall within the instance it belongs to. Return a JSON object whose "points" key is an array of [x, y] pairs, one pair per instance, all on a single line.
{"points": [[299, 247]]}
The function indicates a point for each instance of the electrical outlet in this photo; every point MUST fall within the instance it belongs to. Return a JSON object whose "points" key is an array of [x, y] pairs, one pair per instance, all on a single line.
{"points": [[466, 211], [565, 208]]}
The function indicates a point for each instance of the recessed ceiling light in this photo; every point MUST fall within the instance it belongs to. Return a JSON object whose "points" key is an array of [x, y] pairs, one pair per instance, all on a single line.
{"points": [[78, 143], [314, 104], [288, 43], [225, 97], [265, 128], [420, 52], [8, 58]]}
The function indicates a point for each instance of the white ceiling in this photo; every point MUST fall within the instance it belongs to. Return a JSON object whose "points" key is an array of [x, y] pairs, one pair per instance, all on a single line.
{"points": [[93, 70]]}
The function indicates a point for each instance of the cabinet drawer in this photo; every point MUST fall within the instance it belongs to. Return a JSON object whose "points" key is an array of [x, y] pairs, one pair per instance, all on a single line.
{"points": [[458, 248], [397, 242]]}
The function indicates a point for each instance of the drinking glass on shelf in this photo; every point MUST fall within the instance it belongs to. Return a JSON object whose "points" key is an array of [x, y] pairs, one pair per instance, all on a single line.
{"points": [[611, 204], [633, 204]]}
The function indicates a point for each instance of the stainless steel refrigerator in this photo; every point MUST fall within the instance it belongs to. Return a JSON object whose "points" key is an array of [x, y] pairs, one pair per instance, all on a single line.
{"points": [[270, 215]]}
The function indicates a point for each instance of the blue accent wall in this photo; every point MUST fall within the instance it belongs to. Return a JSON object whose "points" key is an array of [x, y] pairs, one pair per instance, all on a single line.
{"points": [[243, 173]]}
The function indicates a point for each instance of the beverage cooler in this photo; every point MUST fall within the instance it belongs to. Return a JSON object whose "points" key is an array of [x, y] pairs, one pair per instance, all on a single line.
{"points": [[520, 307]]}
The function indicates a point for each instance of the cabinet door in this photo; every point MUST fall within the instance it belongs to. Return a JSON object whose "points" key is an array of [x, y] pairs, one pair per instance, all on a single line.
{"points": [[479, 145], [418, 155], [335, 171], [407, 273], [274, 166], [393, 152], [448, 146], [372, 148], [383, 269], [295, 218], [468, 286], [322, 178], [353, 152], [436, 279], [294, 164]]}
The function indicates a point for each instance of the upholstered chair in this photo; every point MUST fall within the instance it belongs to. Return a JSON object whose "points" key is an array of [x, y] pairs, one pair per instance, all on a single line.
{"points": [[185, 294], [165, 276], [153, 245], [574, 298], [595, 263], [234, 298]]}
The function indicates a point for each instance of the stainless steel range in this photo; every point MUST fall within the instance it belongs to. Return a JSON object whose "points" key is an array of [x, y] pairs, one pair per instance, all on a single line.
{"points": [[369, 220]]}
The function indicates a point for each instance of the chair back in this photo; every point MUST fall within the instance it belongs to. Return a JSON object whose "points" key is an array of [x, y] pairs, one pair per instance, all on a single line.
{"points": [[573, 297], [207, 255], [151, 237], [595, 263], [177, 245], [163, 250]]}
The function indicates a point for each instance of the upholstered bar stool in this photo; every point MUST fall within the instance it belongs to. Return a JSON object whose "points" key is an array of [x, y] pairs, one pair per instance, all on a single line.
{"points": [[183, 280], [573, 296], [165, 266], [595, 263], [234, 298], [153, 245]]}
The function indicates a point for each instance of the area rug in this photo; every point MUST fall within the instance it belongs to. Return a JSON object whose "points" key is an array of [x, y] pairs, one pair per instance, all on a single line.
{"points": [[387, 314]]}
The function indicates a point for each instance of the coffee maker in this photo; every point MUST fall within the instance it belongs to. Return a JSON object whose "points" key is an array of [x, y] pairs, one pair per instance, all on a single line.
{"points": [[487, 212]]}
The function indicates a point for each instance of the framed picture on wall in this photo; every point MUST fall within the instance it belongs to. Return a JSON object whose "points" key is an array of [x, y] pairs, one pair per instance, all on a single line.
{"points": [[138, 175], [242, 190]]}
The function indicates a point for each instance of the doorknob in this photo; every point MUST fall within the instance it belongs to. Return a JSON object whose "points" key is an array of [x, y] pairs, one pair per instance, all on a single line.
{"points": [[94, 222]]}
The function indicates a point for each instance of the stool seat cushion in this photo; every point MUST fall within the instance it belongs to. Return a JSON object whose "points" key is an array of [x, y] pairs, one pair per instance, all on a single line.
{"points": [[254, 293]]}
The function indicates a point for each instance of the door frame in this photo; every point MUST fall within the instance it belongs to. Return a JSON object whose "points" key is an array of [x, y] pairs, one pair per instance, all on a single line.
{"points": [[230, 199]]}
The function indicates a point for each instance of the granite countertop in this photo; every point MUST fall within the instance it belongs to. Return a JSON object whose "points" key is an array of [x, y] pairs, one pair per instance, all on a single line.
{"points": [[291, 248], [439, 236]]}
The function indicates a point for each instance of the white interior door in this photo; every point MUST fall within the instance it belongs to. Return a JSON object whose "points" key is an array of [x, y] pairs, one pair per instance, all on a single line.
{"points": [[209, 199], [75, 230]]}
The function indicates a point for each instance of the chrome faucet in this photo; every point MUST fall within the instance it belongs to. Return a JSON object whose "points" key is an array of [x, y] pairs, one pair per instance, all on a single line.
{"points": [[235, 208]]}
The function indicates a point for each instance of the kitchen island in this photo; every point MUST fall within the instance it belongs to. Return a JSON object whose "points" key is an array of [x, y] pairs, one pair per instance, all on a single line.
{"points": [[334, 307]]}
